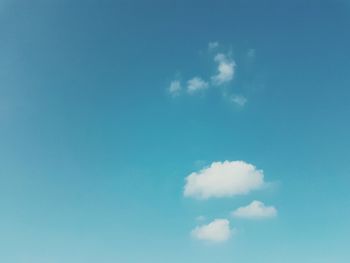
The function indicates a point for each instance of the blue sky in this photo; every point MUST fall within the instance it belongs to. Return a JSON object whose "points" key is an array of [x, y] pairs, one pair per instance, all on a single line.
{"points": [[101, 162]]}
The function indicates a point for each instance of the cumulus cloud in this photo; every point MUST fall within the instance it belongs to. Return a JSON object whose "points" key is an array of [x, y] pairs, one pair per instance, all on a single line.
{"points": [[223, 179], [216, 231], [196, 84], [255, 210], [226, 70], [175, 88]]}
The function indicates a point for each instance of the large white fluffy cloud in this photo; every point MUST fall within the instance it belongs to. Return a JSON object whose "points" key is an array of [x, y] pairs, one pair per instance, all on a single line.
{"points": [[223, 179], [216, 231], [255, 210], [226, 69]]}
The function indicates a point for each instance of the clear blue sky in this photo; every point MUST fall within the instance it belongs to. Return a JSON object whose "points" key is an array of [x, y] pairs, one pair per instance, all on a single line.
{"points": [[94, 151]]}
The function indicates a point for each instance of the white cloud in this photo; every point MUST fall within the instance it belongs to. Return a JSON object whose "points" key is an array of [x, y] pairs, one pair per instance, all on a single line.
{"points": [[223, 179], [175, 88], [213, 45], [196, 84], [216, 231], [255, 210], [238, 100], [226, 69]]}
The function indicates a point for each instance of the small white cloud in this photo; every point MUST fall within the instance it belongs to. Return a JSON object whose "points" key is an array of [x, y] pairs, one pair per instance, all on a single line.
{"points": [[213, 45], [238, 100], [175, 88], [226, 70], [216, 231], [196, 84], [255, 210], [223, 179]]}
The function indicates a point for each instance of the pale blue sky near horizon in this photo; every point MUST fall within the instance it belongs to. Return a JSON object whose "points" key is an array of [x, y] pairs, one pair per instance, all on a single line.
{"points": [[94, 151]]}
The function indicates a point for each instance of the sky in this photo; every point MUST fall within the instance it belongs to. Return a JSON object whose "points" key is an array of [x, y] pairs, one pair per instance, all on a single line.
{"points": [[174, 131]]}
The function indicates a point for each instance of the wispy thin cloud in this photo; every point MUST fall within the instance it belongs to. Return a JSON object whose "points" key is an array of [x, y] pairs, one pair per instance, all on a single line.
{"points": [[239, 100], [175, 88], [196, 84], [213, 45], [222, 77]]}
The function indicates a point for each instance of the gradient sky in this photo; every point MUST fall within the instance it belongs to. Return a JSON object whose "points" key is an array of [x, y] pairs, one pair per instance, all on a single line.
{"points": [[94, 150]]}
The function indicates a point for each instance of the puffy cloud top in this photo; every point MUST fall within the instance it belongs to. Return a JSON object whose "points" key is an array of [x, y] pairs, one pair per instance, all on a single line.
{"points": [[255, 210], [223, 179], [226, 69], [216, 231]]}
